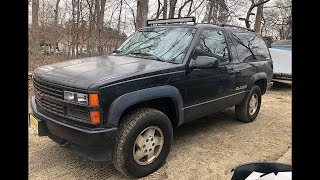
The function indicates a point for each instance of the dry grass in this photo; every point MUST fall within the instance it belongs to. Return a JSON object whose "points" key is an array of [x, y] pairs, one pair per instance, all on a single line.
{"points": [[40, 60]]}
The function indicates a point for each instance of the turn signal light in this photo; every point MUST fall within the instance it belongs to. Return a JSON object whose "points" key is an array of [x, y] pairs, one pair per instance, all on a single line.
{"points": [[95, 117], [94, 99]]}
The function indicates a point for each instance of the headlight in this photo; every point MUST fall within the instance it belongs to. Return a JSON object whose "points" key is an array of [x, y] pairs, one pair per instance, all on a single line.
{"points": [[76, 97]]}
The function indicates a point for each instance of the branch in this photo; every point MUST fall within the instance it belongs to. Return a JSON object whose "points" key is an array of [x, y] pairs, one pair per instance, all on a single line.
{"points": [[253, 5], [132, 11], [180, 9], [196, 7]]}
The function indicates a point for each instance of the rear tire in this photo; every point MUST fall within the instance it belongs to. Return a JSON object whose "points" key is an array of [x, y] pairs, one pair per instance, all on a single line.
{"points": [[248, 109], [138, 151]]}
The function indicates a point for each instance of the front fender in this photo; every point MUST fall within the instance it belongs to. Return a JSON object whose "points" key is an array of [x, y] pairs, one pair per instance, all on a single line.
{"points": [[124, 101]]}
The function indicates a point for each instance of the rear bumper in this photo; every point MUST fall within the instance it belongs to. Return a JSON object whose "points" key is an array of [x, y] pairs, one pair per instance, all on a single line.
{"points": [[269, 85], [282, 76], [94, 144]]}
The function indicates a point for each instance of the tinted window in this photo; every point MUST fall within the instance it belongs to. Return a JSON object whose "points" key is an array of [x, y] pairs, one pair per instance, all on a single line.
{"points": [[250, 46], [213, 44]]}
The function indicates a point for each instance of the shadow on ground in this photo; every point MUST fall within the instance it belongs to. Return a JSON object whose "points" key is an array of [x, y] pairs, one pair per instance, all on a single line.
{"points": [[279, 85]]}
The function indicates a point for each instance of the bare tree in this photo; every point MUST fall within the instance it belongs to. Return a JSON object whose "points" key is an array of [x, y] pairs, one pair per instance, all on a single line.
{"points": [[165, 9], [132, 12], [195, 8], [142, 12], [249, 12], [56, 36], [183, 5], [216, 12], [172, 8], [258, 21], [35, 13], [159, 10], [278, 20], [119, 19]]}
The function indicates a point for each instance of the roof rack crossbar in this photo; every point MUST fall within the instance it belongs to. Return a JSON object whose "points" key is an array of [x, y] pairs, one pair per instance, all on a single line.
{"points": [[173, 20]]}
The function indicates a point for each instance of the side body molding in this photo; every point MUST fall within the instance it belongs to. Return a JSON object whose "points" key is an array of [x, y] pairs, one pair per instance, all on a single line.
{"points": [[124, 101]]}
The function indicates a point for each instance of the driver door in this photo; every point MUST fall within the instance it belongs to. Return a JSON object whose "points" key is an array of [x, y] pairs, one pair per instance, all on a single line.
{"points": [[208, 90]]}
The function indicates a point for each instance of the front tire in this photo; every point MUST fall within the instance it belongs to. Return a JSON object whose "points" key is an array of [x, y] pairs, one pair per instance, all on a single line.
{"points": [[143, 142], [248, 109]]}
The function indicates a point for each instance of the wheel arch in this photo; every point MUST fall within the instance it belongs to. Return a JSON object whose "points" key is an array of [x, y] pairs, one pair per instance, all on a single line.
{"points": [[259, 79], [155, 97]]}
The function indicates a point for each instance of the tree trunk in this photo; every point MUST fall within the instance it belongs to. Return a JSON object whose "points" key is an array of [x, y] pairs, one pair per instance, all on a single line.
{"points": [[158, 10], [165, 9], [91, 24], [119, 19], [253, 5], [172, 8], [96, 26], [190, 7], [257, 24], [56, 14], [35, 13], [209, 8], [142, 12], [35, 25]]}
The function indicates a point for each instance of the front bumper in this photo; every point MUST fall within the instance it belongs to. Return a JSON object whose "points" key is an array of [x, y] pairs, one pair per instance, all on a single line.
{"points": [[94, 144]]}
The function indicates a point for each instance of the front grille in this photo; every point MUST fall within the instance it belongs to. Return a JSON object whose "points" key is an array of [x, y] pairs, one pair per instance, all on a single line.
{"points": [[50, 106], [47, 89], [48, 97]]}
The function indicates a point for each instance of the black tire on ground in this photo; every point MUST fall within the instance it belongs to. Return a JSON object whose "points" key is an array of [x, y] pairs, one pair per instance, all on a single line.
{"points": [[134, 123], [242, 109]]}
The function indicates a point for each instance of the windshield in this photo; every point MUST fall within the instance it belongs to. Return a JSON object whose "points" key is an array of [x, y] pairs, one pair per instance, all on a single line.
{"points": [[162, 44]]}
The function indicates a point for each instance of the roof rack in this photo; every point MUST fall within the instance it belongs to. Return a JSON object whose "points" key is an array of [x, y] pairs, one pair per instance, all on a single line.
{"points": [[236, 26], [170, 21]]}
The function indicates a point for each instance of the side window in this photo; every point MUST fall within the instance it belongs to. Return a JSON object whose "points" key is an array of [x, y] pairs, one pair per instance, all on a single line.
{"points": [[260, 49], [250, 46], [213, 44]]}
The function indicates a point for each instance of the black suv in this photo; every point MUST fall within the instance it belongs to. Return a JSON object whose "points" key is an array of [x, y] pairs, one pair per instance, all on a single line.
{"points": [[123, 107]]}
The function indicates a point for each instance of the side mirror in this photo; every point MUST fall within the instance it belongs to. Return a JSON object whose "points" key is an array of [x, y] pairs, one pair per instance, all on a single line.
{"points": [[204, 62]]}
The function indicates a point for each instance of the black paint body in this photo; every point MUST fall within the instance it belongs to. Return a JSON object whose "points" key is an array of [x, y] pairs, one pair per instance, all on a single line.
{"points": [[123, 81]]}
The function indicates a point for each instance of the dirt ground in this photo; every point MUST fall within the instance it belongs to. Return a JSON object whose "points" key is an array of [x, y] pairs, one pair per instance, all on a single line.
{"points": [[206, 149]]}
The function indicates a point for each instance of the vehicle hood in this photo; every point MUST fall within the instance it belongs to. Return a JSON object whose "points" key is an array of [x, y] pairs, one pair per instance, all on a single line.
{"points": [[82, 73]]}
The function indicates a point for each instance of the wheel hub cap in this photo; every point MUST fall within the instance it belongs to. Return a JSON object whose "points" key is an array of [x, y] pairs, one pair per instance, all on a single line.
{"points": [[253, 104], [148, 145]]}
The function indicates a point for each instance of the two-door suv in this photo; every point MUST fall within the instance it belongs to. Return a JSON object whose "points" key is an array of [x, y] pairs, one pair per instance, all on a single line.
{"points": [[124, 107]]}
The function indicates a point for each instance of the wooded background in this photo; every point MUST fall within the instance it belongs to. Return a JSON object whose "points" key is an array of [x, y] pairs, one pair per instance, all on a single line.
{"points": [[67, 29]]}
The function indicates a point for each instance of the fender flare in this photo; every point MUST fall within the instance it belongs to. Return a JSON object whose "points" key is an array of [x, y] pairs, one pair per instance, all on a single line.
{"points": [[124, 101], [254, 78]]}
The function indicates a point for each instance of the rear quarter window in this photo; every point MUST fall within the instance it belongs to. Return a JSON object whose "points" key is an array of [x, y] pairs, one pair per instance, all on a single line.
{"points": [[249, 45]]}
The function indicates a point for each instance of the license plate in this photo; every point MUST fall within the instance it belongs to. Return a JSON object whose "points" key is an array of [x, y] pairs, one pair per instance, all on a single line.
{"points": [[33, 123]]}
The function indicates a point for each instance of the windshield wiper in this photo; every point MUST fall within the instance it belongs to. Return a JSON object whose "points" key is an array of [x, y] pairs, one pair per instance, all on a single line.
{"points": [[146, 55]]}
